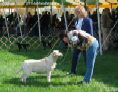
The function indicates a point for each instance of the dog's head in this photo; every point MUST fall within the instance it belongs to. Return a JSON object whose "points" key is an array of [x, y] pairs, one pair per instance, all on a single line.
{"points": [[56, 53]]}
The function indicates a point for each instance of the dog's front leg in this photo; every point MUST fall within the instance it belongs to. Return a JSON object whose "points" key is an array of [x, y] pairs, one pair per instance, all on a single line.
{"points": [[49, 76], [24, 78]]}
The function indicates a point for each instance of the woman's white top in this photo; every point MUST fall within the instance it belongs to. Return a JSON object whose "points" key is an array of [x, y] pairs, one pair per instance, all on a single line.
{"points": [[78, 23]]}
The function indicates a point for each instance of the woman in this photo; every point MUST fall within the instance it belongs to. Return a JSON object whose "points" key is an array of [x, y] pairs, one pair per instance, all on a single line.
{"points": [[82, 22], [81, 40]]}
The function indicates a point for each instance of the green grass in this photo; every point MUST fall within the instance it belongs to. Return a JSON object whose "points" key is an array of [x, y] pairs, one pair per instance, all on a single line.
{"points": [[105, 78]]}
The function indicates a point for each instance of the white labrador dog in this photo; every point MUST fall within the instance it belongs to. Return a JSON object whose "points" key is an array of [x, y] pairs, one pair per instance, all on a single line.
{"points": [[45, 65]]}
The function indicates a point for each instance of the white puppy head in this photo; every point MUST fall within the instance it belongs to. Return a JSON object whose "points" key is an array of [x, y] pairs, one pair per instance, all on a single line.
{"points": [[74, 40], [56, 53], [72, 35]]}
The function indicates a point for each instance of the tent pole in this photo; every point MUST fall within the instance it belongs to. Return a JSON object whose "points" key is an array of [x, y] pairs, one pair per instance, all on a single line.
{"points": [[85, 3], [38, 22], [6, 21], [99, 29], [18, 20], [64, 16], [51, 11]]}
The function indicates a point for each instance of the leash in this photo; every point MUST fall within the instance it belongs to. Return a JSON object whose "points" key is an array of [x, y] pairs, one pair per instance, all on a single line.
{"points": [[58, 40], [63, 58]]}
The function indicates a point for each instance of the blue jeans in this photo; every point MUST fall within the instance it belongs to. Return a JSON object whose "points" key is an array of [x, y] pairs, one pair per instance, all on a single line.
{"points": [[91, 54], [75, 59]]}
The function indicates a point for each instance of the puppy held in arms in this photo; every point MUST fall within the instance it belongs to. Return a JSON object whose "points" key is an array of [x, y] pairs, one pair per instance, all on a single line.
{"points": [[45, 65]]}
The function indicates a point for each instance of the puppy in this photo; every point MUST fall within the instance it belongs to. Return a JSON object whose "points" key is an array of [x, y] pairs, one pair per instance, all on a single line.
{"points": [[49, 43], [45, 65], [22, 46], [46, 42]]}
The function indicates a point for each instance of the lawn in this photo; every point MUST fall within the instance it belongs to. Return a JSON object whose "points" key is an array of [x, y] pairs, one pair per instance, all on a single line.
{"points": [[105, 78]]}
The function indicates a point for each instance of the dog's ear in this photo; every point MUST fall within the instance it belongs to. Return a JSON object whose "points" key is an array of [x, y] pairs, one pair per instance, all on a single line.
{"points": [[61, 54]]}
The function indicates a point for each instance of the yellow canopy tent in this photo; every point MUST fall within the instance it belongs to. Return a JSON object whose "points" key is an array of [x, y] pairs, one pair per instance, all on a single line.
{"points": [[112, 1], [90, 4], [102, 3], [104, 6]]}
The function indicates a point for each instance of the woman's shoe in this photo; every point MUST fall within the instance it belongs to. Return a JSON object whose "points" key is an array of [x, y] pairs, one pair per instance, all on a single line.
{"points": [[83, 82]]}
